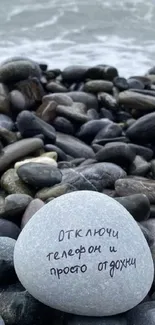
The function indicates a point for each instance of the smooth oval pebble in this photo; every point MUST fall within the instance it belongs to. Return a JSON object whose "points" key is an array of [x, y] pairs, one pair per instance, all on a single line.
{"points": [[17, 150], [39, 175], [143, 129], [8, 229], [83, 253], [62, 124]]}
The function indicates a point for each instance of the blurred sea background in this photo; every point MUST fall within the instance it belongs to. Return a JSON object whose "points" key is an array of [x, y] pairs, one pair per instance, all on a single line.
{"points": [[88, 32]]}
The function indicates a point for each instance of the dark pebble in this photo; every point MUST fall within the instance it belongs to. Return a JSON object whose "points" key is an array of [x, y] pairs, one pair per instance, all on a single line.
{"points": [[106, 113], [7, 271], [89, 130], [120, 83], [17, 100], [139, 167], [122, 117], [102, 71], [18, 150], [60, 152], [39, 175], [73, 147], [15, 204], [23, 58], [43, 66], [20, 308], [144, 92], [133, 100], [7, 136], [71, 164], [62, 124], [87, 162], [107, 101], [143, 129], [92, 114], [102, 142], [8, 229], [18, 70], [135, 83], [81, 97], [138, 205], [144, 79], [50, 74], [96, 147], [30, 125], [111, 130], [153, 168], [74, 73], [152, 211], [75, 113], [93, 177], [80, 320], [118, 153], [142, 314], [136, 185], [142, 151], [34, 206], [150, 225], [59, 98], [97, 86], [4, 100], [147, 234], [55, 87], [129, 122]]}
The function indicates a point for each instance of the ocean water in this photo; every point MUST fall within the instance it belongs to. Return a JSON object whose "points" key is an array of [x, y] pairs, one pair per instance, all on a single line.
{"points": [[87, 32]]}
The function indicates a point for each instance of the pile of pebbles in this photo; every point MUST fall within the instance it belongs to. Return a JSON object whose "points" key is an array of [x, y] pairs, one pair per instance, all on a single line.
{"points": [[83, 128]]}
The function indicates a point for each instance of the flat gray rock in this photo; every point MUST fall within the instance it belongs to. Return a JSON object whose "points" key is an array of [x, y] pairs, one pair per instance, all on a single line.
{"points": [[84, 254]]}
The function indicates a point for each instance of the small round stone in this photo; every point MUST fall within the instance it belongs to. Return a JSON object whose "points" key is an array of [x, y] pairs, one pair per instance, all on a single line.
{"points": [[80, 237]]}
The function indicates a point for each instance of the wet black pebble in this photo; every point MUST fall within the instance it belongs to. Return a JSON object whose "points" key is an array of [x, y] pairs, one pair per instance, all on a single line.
{"points": [[30, 125], [118, 153], [62, 124], [39, 175], [138, 205], [8, 229]]}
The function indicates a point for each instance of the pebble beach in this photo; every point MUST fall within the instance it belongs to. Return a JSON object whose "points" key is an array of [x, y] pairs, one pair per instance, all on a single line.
{"points": [[65, 130]]}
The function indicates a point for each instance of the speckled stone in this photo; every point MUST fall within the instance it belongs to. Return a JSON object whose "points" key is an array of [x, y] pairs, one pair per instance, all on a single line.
{"points": [[84, 254]]}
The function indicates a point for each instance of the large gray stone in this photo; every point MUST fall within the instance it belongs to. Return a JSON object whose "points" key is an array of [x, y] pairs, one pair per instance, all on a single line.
{"points": [[83, 253]]}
